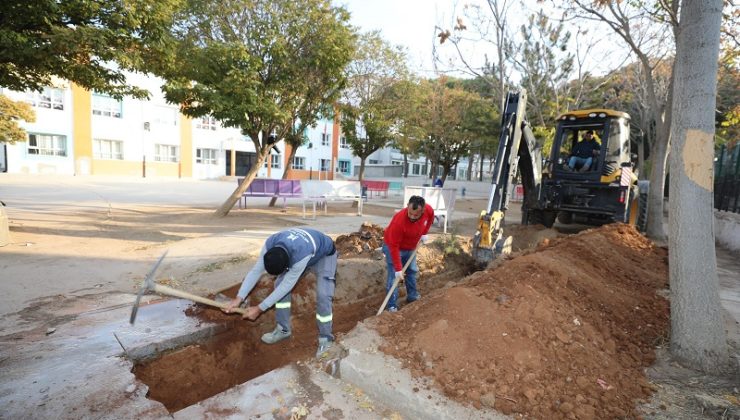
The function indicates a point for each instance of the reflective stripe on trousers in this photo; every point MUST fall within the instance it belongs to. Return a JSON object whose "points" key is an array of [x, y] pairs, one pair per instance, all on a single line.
{"points": [[325, 270]]}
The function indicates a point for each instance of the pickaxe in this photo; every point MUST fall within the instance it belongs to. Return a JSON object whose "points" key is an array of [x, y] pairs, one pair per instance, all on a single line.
{"points": [[150, 286]]}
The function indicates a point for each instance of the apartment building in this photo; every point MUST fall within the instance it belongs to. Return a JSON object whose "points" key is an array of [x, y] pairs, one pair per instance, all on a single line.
{"points": [[78, 132]]}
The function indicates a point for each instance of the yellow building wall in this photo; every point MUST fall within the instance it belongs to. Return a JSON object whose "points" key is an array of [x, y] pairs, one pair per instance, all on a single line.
{"points": [[82, 130], [186, 147]]}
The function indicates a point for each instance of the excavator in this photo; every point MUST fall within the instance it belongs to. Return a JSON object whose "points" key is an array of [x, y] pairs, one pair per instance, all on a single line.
{"points": [[597, 189]]}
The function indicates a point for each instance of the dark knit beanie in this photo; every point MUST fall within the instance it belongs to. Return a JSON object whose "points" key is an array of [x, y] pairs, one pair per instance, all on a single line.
{"points": [[276, 260]]}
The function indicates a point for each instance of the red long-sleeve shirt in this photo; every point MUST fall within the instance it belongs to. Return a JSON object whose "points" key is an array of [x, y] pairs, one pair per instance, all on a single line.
{"points": [[403, 234]]}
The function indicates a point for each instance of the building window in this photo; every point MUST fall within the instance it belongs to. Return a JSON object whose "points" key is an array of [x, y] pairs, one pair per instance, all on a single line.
{"points": [[47, 145], [415, 169], [106, 106], [343, 143], [108, 149], [299, 163], [274, 161], [164, 115], [423, 169], [325, 139], [49, 98], [206, 156], [396, 162], [206, 123], [344, 167], [165, 153], [325, 165], [372, 161]]}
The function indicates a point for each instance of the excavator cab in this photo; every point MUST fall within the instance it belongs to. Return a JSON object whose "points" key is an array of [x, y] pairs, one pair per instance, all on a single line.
{"points": [[589, 176], [609, 131]]}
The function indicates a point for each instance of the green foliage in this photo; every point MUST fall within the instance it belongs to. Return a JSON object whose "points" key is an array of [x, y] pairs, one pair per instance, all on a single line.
{"points": [[261, 66], [728, 99], [370, 110], [79, 40], [544, 136], [545, 65], [10, 113], [453, 120]]}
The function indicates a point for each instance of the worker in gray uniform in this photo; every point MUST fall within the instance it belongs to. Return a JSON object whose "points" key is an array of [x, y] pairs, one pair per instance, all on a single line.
{"points": [[287, 255]]}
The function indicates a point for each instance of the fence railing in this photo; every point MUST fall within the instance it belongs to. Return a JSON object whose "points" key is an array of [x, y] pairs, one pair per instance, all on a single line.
{"points": [[727, 179]]}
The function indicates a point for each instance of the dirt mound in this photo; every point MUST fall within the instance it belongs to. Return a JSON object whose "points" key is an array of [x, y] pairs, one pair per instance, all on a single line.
{"points": [[563, 332], [360, 244]]}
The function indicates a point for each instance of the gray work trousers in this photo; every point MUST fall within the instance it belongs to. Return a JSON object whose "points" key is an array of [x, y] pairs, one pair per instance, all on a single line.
{"points": [[325, 270]]}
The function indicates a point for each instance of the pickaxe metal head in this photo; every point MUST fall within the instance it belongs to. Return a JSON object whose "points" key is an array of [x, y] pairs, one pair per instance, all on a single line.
{"points": [[146, 286]]}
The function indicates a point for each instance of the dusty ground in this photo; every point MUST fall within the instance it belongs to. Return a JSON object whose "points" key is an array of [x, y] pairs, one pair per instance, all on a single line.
{"points": [[70, 262]]}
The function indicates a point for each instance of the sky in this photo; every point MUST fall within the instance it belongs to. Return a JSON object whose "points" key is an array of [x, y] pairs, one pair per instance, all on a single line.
{"points": [[409, 23]]}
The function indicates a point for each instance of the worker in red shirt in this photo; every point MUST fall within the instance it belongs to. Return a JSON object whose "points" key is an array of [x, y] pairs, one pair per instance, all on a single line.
{"points": [[406, 229]]}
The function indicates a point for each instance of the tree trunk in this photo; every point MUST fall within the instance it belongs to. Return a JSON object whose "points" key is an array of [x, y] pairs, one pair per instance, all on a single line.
{"points": [[482, 158], [405, 165], [641, 156], [697, 330], [288, 166], [361, 174], [658, 157], [471, 162], [237, 194]]}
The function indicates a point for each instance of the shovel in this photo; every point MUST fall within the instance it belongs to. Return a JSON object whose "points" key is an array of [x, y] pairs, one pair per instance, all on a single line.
{"points": [[395, 282], [150, 286]]}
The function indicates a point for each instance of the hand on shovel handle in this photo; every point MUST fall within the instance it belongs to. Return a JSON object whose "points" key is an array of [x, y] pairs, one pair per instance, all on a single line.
{"points": [[399, 277]]}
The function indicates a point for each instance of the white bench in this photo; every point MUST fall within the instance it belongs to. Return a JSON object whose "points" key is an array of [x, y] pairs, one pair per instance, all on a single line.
{"points": [[320, 192], [442, 201]]}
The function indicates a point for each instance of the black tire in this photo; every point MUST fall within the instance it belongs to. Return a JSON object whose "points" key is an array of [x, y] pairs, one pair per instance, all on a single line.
{"points": [[541, 217], [548, 218], [565, 217], [642, 206]]}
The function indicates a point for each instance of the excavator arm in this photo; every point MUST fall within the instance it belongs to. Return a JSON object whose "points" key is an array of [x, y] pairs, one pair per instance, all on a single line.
{"points": [[517, 150]]}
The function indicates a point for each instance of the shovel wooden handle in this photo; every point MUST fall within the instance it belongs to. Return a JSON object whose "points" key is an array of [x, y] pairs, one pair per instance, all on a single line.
{"points": [[395, 282], [165, 290]]}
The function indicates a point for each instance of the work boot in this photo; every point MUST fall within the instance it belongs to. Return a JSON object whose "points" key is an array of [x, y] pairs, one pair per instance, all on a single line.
{"points": [[278, 334], [324, 345]]}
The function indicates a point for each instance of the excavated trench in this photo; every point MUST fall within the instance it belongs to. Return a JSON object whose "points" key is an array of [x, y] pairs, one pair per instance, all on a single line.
{"points": [[182, 377]]}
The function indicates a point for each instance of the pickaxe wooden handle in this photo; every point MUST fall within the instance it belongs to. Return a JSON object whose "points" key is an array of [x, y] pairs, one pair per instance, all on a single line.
{"points": [[150, 286], [395, 282], [165, 290]]}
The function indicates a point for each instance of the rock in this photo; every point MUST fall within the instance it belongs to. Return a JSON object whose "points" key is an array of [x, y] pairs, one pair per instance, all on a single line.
{"points": [[531, 395], [488, 400], [565, 407]]}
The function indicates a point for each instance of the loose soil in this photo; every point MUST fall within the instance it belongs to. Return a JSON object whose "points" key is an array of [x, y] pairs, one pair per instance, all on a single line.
{"points": [[363, 243], [563, 332], [193, 373]]}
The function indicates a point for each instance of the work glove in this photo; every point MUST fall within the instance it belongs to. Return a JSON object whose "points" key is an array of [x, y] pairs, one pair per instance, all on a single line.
{"points": [[399, 276], [424, 239]]}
